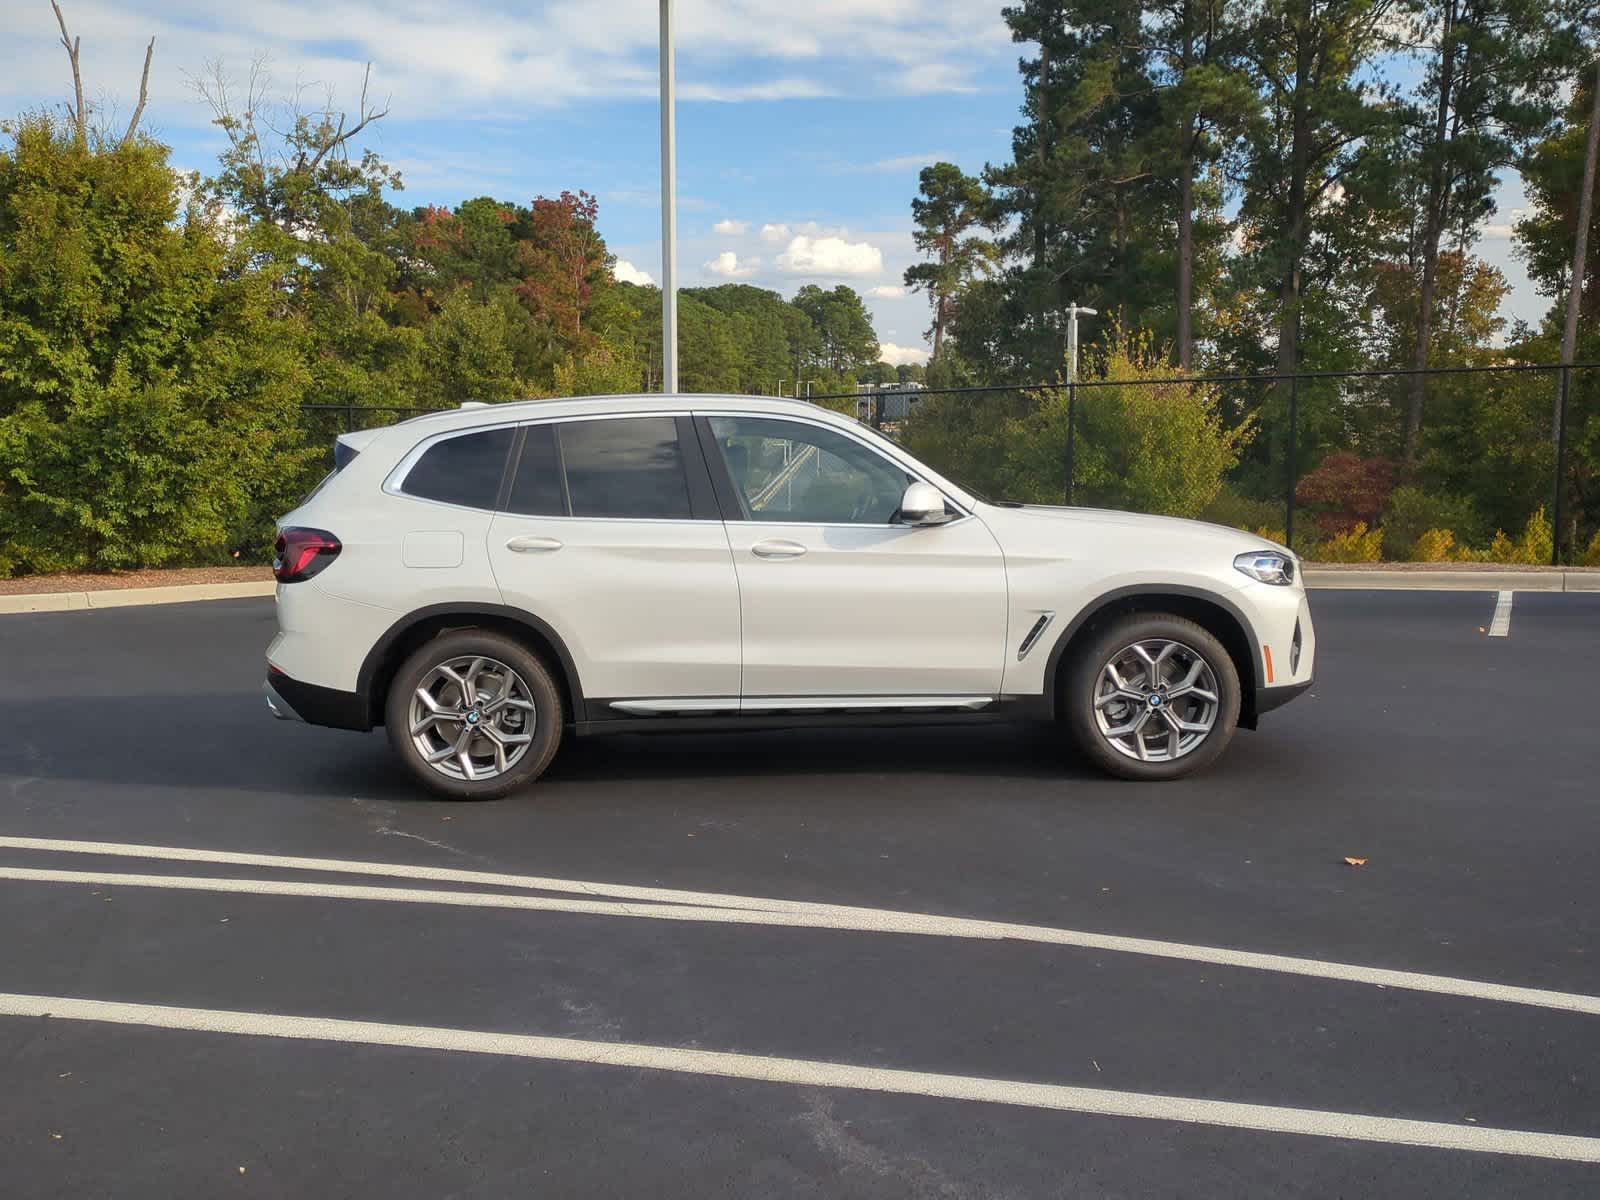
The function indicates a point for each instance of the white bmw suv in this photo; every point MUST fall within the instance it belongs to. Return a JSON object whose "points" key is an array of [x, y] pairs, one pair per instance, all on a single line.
{"points": [[481, 581]]}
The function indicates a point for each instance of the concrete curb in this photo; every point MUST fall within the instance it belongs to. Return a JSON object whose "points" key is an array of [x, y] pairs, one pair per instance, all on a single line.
{"points": [[127, 597], [1456, 581]]}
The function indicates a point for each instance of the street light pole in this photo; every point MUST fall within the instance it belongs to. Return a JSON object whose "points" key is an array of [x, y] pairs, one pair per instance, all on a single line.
{"points": [[1074, 311], [669, 207]]}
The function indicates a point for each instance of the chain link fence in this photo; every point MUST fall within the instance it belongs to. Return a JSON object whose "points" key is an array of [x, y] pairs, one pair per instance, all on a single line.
{"points": [[1319, 461]]}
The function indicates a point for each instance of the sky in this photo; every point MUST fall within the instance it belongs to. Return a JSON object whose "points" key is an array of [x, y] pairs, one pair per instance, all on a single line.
{"points": [[801, 126]]}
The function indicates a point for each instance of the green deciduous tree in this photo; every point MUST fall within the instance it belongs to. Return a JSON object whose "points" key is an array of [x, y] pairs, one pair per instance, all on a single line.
{"points": [[845, 343], [149, 377]]}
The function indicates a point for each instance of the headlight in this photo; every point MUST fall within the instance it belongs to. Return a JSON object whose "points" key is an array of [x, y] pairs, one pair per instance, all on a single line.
{"points": [[1268, 566]]}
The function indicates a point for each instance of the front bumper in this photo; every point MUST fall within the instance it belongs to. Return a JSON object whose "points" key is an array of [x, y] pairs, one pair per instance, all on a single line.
{"points": [[1269, 698], [289, 699]]}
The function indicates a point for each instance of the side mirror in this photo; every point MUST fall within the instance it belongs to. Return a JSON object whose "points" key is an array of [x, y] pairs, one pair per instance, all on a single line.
{"points": [[923, 504]]}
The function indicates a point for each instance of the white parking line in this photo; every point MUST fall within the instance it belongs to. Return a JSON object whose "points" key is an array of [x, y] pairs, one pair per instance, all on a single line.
{"points": [[665, 904], [1500, 625], [811, 1073]]}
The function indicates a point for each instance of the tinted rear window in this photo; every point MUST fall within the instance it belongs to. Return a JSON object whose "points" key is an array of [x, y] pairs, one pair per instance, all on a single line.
{"points": [[536, 490], [631, 467], [463, 470]]}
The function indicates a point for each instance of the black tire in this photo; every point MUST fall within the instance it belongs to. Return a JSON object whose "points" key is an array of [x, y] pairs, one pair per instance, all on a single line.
{"points": [[1082, 681], [547, 715]]}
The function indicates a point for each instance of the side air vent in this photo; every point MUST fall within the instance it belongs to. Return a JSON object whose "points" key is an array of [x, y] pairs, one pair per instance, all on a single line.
{"points": [[1294, 650], [1039, 627]]}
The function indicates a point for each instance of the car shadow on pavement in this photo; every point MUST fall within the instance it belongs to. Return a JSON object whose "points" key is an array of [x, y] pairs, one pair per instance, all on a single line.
{"points": [[226, 741]]}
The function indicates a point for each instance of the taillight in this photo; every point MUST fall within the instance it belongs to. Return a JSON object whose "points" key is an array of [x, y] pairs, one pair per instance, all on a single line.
{"points": [[301, 553]]}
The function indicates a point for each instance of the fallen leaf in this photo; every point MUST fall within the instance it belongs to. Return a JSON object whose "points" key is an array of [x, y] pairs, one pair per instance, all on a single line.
{"points": [[1355, 862]]}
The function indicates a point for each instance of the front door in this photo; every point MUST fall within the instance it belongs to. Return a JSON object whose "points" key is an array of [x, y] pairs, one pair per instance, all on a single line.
{"points": [[836, 598], [609, 534]]}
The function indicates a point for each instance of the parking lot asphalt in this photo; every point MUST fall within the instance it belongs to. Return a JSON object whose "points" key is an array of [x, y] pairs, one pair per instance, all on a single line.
{"points": [[1462, 767]]}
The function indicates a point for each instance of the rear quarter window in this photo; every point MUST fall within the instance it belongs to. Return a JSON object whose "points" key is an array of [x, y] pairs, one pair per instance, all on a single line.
{"points": [[465, 469]]}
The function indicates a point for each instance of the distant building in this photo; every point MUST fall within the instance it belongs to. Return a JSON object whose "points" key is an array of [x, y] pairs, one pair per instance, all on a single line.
{"points": [[897, 401]]}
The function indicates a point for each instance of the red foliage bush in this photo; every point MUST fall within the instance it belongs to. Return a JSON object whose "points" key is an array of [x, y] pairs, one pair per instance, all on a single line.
{"points": [[1347, 489]]}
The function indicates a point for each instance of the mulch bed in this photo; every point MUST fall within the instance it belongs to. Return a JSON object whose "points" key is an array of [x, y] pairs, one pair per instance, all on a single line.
{"points": [[29, 585]]}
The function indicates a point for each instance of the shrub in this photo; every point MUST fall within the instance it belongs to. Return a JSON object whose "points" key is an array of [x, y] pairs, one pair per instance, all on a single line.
{"points": [[1413, 512], [1243, 512], [1147, 444], [1534, 547], [1348, 490], [1433, 546], [1538, 541], [1591, 556], [1357, 544]]}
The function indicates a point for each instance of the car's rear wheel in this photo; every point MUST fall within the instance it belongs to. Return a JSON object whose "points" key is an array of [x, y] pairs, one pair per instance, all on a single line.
{"points": [[474, 715], [1152, 696]]}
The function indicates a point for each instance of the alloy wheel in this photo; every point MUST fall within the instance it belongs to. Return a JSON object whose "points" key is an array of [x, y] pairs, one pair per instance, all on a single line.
{"points": [[1155, 700], [472, 718]]}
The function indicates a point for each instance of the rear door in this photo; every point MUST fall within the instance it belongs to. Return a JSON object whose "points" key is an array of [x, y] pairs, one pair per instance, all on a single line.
{"points": [[838, 599], [610, 534]]}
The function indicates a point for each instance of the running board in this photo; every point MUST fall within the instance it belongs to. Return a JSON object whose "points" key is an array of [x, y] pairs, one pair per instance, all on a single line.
{"points": [[773, 704]]}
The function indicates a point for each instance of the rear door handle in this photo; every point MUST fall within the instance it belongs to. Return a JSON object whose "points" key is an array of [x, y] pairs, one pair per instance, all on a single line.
{"points": [[530, 544], [777, 548]]}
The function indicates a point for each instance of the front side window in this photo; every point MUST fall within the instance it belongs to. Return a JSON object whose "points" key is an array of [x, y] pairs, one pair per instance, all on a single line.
{"points": [[463, 470], [627, 467], [797, 472]]}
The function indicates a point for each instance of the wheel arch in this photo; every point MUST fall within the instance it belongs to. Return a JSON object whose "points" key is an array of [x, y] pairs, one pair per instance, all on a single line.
{"points": [[1210, 610], [417, 628]]}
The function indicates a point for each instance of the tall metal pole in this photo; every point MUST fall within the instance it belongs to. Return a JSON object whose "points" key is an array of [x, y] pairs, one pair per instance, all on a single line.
{"points": [[1072, 442], [1559, 515], [1074, 311], [669, 207], [1291, 449]]}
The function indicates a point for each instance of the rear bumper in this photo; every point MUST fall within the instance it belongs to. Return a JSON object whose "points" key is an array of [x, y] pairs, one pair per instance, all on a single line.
{"points": [[1269, 698], [291, 700]]}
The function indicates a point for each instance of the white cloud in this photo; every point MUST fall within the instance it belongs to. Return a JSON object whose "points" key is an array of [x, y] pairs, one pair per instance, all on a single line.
{"points": [[774, 233], [626, 272], [902, 162], [730, 266], [1503, 229], [897, 356], [487, 57], [829, 256], [886, 291], [936, 77], [729, 226]]}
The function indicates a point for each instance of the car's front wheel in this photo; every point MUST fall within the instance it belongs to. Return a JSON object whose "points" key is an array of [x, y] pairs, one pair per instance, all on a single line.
{"points": [[1152, 696], [474, 715]]}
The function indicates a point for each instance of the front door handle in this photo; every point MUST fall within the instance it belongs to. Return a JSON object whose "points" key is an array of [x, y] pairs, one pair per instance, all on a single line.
{"points": [[530, 544], [777, 548]]}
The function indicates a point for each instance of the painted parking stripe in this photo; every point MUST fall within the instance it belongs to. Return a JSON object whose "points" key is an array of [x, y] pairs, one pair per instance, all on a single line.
{"points": [[1500, 625], [684, 906], [811, 1073]]}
